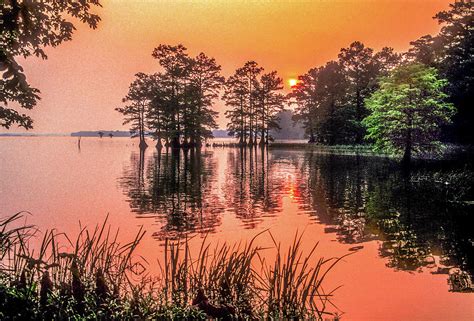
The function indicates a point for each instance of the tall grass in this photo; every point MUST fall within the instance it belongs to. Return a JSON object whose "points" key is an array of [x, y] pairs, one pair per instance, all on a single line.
{"points": [[96, 277], [294, 286]]}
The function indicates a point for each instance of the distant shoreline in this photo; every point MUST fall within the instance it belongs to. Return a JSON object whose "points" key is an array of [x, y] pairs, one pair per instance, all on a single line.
{"points": [[35, 135]]}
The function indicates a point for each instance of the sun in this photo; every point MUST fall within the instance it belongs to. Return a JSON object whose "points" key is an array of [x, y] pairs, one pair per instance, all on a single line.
{"points": [[292, 82]]}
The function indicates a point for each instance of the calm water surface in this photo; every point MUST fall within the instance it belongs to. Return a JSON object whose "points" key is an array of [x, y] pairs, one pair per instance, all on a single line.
{"points": [[406, 234]]}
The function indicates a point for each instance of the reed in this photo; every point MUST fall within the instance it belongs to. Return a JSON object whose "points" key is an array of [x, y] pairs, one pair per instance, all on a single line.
{"points": [[294, 286], [95, 276]]}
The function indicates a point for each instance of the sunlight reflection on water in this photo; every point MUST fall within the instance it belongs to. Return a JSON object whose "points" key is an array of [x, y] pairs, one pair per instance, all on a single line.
{"points": [[405, 233]]}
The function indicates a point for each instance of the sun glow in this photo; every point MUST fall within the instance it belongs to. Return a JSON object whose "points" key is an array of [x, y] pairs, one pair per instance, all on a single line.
{"points": [[292, 82]]}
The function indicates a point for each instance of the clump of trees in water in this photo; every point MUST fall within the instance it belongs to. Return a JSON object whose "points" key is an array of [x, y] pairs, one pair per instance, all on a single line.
{"points": [[175, 104], [254, 99], [401, 103]]}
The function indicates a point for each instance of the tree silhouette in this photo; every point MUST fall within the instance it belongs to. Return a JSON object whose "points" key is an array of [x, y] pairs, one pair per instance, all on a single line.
{"points": [[457, 39], [249, 72], [330, 99], [181, 97], [425, 50], [176, 65], [320, 96], [158, 115], [330, 96], [451, 52], [360, 68], [235, 94], [269, 102], [255, 101], [26, 28], [304, 95], [207, 81], [134, 112]]}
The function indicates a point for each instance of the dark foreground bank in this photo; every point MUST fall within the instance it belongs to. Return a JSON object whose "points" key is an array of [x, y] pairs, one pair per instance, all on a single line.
{"points": [[95, 277]]}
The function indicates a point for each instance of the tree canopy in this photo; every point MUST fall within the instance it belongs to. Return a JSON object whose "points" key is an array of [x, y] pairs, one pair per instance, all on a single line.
{"points": [[255, 99], [26, 28], [452, 53], [408, 110], [176, 103], [330, 99]]}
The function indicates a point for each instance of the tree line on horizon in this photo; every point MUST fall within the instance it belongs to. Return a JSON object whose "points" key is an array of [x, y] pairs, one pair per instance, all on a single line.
{"points": [[175, 105], [402, 103], [395, 100]]}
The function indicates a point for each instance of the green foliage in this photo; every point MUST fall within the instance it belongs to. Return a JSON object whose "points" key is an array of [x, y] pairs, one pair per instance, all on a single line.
{"points": [[329, 99], [26, 27], [451, 51], [407, 111]]}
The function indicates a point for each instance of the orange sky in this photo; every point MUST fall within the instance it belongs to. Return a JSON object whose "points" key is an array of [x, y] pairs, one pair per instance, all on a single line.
{"points": [[85, 79]]}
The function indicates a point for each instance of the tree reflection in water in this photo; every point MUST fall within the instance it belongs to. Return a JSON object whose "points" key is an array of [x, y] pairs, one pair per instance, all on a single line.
{"points": [[251, 190], [422, 221], [176, 188]]}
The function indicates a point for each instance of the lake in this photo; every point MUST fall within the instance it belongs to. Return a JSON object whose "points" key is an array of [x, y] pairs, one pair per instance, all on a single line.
{"points": [[406, 233]]}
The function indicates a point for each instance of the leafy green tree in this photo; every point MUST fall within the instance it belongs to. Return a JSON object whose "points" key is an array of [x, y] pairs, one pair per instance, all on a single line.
{"points": [[407, 111], [329, 99], [26, 28]]}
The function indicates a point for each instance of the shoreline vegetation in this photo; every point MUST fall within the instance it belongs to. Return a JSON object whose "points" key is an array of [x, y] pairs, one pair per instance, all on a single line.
{"points": [[448, 151], [97, 277], [401, 103]]}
